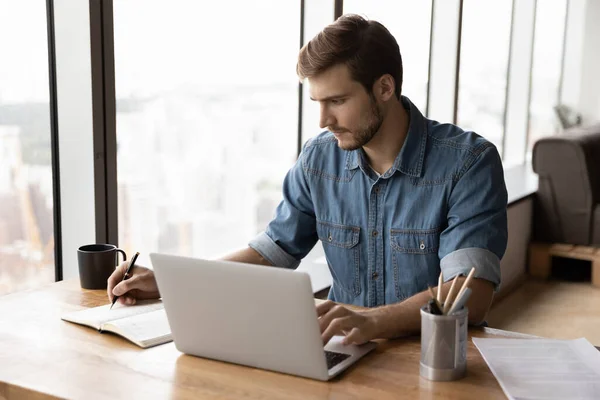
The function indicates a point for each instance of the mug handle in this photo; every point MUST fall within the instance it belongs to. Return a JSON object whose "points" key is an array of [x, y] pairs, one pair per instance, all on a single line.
{"points": [[122, 253]]}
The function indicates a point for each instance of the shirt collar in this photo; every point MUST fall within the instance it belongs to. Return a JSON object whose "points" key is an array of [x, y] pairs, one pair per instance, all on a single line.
{"points": [[410, 159]]}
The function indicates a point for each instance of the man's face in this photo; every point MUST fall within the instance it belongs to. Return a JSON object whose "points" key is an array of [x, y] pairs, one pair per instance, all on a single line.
{"points": [[347, 110]]}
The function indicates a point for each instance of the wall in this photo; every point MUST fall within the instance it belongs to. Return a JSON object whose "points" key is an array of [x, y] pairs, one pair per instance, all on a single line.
{"points": [[514, 263]]}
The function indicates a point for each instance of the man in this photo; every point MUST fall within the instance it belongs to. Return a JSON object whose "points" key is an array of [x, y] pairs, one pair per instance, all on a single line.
{"points": [[394, 197]]}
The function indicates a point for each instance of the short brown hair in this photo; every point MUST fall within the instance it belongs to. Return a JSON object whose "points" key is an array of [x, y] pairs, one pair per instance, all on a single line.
{"points": [[366, 47]]}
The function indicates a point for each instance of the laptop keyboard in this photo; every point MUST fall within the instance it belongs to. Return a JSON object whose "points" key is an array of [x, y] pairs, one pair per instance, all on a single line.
{"points": [[334, 358]]}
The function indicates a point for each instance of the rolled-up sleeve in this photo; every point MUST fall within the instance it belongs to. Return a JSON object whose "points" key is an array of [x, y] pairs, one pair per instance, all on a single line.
{"points": [[292, 233], [477, 231]]}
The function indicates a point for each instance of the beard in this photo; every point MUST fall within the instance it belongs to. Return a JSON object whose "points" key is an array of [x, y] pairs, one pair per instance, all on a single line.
{"points": [[366, 131]]}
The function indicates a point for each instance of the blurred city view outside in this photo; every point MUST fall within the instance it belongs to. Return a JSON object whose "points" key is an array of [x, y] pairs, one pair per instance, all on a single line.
{"points": [[207, 116], [484, 58], [546, 69], [482, 81], [207, 121], [26, 219]]}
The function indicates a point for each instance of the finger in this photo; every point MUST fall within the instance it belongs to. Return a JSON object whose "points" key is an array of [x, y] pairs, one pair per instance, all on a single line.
{"points": [[114, 279], [336, 327], [336, 312], [325, 307], [130, 300], [127, 300], [125, 286], [109, 290], [355, 337]]}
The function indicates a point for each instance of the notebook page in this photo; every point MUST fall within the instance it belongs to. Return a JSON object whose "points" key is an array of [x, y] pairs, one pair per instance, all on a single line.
{"points": [[543, 368], [96, 316], [149, 328]]}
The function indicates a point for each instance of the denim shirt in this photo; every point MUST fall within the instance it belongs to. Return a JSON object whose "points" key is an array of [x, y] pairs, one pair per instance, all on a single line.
{"points": [[441, 206]]}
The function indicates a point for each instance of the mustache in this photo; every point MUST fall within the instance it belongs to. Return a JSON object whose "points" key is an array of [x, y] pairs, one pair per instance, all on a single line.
{"points": [[337, 129]]}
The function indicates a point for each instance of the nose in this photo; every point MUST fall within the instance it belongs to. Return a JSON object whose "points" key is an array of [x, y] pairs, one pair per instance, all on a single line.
{"points": [[326, 118]]}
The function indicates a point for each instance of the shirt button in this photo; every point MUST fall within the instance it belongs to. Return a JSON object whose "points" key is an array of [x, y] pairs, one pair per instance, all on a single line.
{"points": [[376, 189], [330, 238], [422, 246], [374, 275], [375, 233]]}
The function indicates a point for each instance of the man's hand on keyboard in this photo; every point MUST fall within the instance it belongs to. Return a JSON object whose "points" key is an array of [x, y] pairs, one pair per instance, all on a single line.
{"points": [[358, 327]]}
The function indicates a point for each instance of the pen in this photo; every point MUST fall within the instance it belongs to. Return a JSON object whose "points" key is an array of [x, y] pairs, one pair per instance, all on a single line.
{"points": [[460, 301], [125, 276]]}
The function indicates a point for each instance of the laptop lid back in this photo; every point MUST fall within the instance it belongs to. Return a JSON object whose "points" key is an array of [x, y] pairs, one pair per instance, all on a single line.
{"points": [[258, 316]]}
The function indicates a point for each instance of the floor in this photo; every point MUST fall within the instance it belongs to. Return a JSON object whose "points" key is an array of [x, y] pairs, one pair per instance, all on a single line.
{"points": [[552, 309]]}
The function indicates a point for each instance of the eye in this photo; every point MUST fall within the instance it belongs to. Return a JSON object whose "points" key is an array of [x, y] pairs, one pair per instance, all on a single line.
{"points": [[338, 102]]}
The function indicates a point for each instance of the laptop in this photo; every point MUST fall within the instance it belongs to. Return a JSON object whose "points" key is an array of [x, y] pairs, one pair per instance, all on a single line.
{"points": [[262, 317]]}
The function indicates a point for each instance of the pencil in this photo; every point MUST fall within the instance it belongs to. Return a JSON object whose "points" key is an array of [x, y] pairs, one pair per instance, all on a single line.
{"points": [[466, 282], [439, 292], [448, 301]]}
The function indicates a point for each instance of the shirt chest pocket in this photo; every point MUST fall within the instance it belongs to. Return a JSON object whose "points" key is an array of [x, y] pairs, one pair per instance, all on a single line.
{"points": [[415, 260], [342, 251]]}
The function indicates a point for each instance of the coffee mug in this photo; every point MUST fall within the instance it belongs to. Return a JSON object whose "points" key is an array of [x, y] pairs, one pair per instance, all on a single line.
{"points": [[96, 263]]}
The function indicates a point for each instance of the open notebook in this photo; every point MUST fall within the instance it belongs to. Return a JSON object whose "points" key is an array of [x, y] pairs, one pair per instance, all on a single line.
{"points": [[144, 324]]}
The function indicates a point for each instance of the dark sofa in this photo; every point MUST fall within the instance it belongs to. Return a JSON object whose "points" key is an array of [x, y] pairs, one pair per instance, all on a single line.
{"points": [[567, 206]]}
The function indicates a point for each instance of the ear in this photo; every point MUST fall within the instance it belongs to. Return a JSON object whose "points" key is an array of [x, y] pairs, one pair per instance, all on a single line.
{"points": [[384, 87]]}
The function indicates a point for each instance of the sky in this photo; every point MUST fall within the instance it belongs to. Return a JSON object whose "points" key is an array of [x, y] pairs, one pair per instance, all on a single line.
{"points": [[23, 42]]}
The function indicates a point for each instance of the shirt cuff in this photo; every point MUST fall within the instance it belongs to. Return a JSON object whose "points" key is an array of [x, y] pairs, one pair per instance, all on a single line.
{"points": [[460, 262], [267, 248]]}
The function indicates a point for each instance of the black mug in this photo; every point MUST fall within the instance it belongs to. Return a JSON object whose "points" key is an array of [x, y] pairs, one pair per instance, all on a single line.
{"points": [[96, 263]]}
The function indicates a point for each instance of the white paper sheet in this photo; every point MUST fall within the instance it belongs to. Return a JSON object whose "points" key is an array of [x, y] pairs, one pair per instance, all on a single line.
{"points": [[543, 368], [151, 327]]}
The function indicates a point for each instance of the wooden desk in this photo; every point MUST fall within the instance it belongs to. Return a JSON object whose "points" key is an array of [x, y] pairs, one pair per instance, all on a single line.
{"points": [[42, 356]]}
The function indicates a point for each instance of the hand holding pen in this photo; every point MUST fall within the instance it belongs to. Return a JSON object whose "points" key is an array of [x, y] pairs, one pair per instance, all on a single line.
{"points": [[126, 275], [139, 285]]}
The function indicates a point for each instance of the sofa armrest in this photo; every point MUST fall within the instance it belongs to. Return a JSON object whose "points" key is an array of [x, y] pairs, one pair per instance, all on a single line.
{"points": [[569, 185]]}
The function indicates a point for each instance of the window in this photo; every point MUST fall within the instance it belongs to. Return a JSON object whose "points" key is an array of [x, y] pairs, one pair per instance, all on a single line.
{"points": [[546, 69], [484, 54], [317, 15], [410, 23], [26, 200], [207, 121]]}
